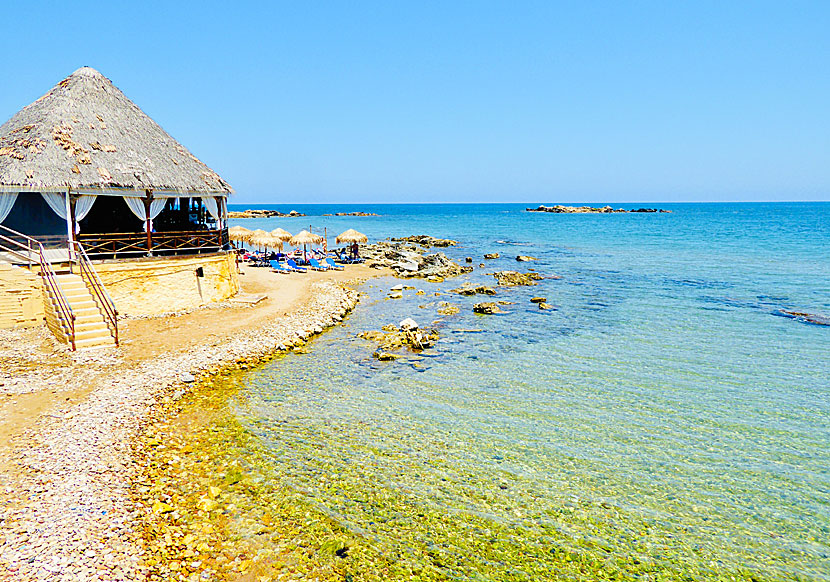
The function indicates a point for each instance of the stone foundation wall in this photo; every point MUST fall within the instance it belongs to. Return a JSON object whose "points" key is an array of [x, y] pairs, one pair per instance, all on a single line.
{"points": [[21, 297], [151, 286]]}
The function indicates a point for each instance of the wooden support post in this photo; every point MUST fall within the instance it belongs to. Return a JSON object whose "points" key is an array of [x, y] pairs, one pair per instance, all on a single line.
{"points": [[147, 201]]}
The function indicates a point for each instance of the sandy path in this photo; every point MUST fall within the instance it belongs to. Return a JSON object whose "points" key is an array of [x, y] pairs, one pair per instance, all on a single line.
{"points": [[37, 374], [147, 338]]}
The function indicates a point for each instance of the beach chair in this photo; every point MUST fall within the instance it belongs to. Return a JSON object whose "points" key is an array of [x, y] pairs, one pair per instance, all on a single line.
{"points": [[314, 264], [295, 267], [278, 267], [332, 265]]}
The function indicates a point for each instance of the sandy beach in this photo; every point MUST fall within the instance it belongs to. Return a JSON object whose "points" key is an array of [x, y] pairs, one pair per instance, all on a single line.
{"points": [[69, 418]]}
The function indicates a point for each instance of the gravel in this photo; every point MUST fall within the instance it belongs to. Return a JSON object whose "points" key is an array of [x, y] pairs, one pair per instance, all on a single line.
{"points": [[65, 509]]}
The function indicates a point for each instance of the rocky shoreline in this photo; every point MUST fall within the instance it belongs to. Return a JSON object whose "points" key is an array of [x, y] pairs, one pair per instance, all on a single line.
{"points": [[560, 209], [68, 514], [353, 214], [259, 213], [410, 257]]}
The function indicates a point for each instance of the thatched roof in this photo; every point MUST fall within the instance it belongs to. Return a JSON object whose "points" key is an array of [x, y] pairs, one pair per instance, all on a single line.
{"points": [[239, 233], [352, 236], [305, 238], [86, 135], [281, 234]]}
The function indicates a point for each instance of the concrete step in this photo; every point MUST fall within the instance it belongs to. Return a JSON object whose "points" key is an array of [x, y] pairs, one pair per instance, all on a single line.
{"points": [[90, 324], [93, 334], [107, 342]]}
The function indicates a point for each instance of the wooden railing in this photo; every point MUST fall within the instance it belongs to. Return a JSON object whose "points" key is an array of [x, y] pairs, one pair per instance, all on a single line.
{"points": [[99, 292], [163, 243], [28, 249], [51, 281]]}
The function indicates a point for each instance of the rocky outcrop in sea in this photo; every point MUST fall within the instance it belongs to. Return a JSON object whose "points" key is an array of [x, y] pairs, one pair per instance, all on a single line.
{"points": [[560, 209], [410, 257], [259, 213]]}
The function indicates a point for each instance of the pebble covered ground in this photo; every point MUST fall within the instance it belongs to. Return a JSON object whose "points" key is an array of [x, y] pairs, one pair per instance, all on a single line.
{"points": [[65, 507]]}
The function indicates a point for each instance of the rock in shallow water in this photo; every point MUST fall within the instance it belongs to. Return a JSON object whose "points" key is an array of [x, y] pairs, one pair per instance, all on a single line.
{"points": [[514, 278], [487, 308]]}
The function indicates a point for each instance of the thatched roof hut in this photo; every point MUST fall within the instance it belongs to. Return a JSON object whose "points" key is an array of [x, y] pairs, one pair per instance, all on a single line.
{"points": [[85, 135], [111, 176]]}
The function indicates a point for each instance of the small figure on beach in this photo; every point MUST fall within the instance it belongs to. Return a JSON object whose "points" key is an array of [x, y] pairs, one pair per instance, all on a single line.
{"points": [[355, 250]]}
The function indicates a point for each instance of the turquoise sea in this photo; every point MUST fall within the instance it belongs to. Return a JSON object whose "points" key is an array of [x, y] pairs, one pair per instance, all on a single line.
{"points": [[665, 410]]}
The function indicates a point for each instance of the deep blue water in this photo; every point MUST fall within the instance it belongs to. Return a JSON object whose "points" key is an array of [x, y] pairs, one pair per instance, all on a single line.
{"points": [[665, 385]]}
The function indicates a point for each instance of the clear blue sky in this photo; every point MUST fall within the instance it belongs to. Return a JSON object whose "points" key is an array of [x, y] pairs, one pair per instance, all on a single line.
{"points": [[460, 101]]}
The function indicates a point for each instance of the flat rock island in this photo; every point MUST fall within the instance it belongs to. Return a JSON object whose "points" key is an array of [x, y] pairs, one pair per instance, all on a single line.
{"points": [[560, 209]]}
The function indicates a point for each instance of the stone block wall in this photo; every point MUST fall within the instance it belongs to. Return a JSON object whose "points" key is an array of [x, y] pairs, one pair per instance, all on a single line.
{"points": [[21, 297], [154, 285]]}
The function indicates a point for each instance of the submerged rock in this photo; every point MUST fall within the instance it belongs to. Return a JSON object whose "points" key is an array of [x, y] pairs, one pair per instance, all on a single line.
{"points": [[492, 256], [525, 258], [468, 289], [447, 308], [427, 241], [414, 339], [487, 308], [813, 318], [514, 278], [538, 299], [543, 305]]}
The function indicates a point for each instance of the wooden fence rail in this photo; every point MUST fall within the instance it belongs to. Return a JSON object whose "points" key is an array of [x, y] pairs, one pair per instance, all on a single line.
{"points": [[124, 245]]}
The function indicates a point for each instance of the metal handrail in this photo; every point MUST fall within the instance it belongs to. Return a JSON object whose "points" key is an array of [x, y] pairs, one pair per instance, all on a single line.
{"points": [[28, 247], [97, 287], [50, 278], [48, 275]]}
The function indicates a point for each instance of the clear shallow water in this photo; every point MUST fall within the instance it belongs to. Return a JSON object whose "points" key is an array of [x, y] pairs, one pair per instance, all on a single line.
{"points": [[662, 413]]}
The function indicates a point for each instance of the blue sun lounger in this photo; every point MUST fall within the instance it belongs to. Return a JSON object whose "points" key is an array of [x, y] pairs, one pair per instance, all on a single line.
{"points": [[332, 265], [295, 267], [317, 266], [278, 267]]}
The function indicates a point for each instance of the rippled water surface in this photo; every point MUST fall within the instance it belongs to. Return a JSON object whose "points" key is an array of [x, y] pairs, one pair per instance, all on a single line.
{"points": [[664, 414]]}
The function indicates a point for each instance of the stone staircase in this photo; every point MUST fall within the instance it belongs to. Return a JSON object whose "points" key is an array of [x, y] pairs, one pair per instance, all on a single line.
{"points": [[91, 329]]}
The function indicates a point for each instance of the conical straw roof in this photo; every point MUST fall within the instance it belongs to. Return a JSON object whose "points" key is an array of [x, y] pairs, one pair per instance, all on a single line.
{"points": [[305, 238], [264, 239], [352, 236], [85, 134], [239, 233], [281, 234]]}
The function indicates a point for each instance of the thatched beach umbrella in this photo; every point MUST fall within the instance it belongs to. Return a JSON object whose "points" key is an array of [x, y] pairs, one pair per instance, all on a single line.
{"points": [[281, 234], [265, 239], [256, 236], [239, 233], [352, 236], [305, 238]]}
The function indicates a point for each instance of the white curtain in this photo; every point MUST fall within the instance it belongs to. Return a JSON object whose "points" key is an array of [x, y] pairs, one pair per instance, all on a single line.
{"points": [[211, 206], [56, 201], [83, 205], [137, 207], [6, 202]]}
